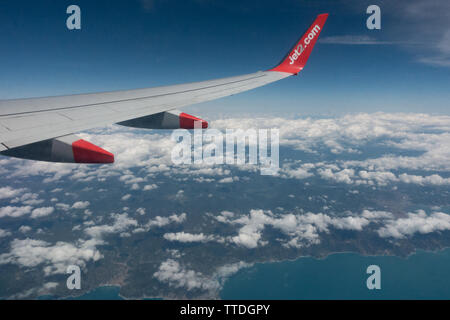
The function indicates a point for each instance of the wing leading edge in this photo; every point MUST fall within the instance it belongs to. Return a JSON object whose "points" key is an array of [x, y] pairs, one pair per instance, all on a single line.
{"points": [[26, 123]]}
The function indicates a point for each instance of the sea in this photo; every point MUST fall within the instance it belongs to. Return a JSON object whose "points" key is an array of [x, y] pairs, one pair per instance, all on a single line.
{"points": [[422, 275]]}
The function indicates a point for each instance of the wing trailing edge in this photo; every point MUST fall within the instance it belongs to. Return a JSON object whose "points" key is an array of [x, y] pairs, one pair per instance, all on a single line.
{"points": [[173, 119]]}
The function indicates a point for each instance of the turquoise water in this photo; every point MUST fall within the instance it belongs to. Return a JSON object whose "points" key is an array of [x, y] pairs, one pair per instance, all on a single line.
{"points": [[424, 275], [101, 293]]}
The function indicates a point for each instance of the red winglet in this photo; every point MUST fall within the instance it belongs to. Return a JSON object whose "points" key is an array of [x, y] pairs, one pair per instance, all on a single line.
{"points": [[187, 121], [299, 54], [86, 152]]}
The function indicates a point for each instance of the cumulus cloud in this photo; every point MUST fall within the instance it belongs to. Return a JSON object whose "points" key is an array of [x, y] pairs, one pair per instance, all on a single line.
{"points": [[159, 222], [227, 270], [149, 187], [343, 176], [176, 275], [140, 211], [81, 205], [228, 179], [14, 212], [296, 170], [42, 212], [38, 168], [45, 289], [28, 199], [418, 222], [434, 179], [121, 223], [54, 258], [172, 273], [4, 233], [126, 197], [300, 229], [24, 229], [63, 206], [130, 179], [304, 229], [8, 192], [187, 237], [347, 135]]}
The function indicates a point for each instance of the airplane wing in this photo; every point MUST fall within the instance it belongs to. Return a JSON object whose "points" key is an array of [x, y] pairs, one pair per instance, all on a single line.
{"points": [[43, 128]]}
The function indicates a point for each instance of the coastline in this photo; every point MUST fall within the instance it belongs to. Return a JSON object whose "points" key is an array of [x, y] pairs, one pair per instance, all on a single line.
{"points": [[255, 266]]}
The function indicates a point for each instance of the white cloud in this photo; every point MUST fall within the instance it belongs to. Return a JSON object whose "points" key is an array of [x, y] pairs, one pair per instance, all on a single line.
{"points": [[187, 237], [63, 206], [131, 179], [301, 172], [126, 197], [178, 218], [28, 199], [179, 195], [305, 229], [54, 258], [38, 291], [347, 134], [418, 222], [300, 229], [42, 212], [434, 179], [24, 229], [171, 272], [159, 222], [121, 223], [14, 212], [150, 187], [227, 270], [228, 179], [81, 205], [8, 192], [174, 274], [343, 176], [38, 168], [4, 233]]}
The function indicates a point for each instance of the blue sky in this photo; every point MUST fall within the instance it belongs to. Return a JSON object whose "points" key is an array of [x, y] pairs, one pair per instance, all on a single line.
{"points": [[133, 44]]}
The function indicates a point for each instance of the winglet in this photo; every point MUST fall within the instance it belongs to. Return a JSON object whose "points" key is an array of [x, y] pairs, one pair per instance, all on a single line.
{"points": [[299, 54]]}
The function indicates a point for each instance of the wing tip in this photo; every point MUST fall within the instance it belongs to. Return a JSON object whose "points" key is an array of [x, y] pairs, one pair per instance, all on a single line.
{"points": [[86, 152], [296, 59]]}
